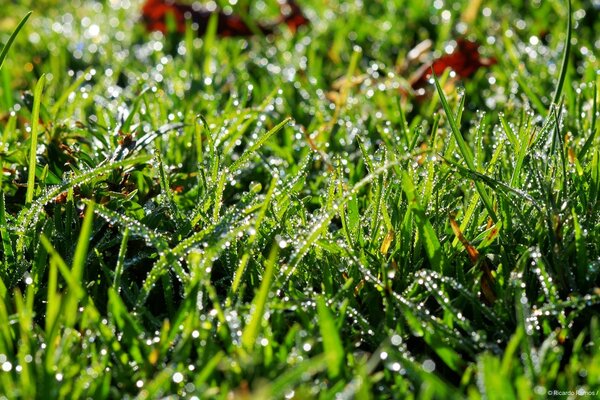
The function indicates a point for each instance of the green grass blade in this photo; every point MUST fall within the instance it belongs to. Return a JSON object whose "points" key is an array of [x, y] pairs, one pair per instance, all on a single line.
{"points": [[252, 330], [464, 149], [293, 376], [137, 103], [565, 61], [121, 261], [332, 344], [259, 218], [432, 245], [7, 244], [593, 128], [27, 216], [12, 38], [65, 94], [79, 260], [35, 123], [256, 145]]}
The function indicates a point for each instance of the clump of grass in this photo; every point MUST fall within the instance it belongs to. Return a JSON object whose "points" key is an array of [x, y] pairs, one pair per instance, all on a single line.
{"points": [[206, 217]]}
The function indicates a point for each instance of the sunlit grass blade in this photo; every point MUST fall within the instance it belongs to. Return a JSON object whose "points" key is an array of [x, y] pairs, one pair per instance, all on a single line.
{"points": [[133, 226], [35, 123], [332, 344], [259, 218], [431, 243], [564, 67], [79, 260], [464, 149], [27, 216], [121, 260], [7, 245], [169, 258], [252, 330], [593, 125], [256, 145], [12, 38], [67, 92], [293, 376], [137, 103]]}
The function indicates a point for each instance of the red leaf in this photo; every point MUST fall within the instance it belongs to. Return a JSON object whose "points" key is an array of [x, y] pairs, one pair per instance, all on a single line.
{"points": [[465, 60], [155, 12]]}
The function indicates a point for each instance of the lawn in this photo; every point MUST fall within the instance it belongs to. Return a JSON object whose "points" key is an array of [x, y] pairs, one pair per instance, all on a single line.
{"points": [[308, 213]]}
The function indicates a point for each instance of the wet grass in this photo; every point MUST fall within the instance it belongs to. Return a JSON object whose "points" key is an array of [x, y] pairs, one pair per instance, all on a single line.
{"points": [[226, 218]]}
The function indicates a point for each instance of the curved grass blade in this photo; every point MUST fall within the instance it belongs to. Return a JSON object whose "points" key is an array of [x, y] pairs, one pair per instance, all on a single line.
{"points": [[464, 149], [492, 183], [135, 227], [593, 129], [565, 61], [121, 261], [28, 216], [12, 38], [293, 376], [134, 110]]}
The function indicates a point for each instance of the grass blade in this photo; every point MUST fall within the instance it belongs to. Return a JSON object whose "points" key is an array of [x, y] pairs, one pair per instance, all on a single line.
{"points": [[332, 344], [464, 149], [12, 38], [432, 245], [256, 145], [252, 330], [565, 61], [79, 259], [35, 122]]}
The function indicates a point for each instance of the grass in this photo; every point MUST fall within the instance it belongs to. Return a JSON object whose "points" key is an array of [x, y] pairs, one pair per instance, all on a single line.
{"points": [[227, 218]]}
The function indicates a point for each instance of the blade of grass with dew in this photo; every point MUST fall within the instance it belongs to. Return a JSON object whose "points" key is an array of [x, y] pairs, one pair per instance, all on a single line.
{"points": [[152, 237], [293, 376], [464, 149], [170, 257], [12, 38], [432, 245], [79, 260], [332, 344], [27, 216], [495, 184], [35, 123], [256, 145], [320, 224], [259, 218], [165, 186], [7, 245], [53, 300], [252, 330], [129, 329], [120, 266], [218, 196]]}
